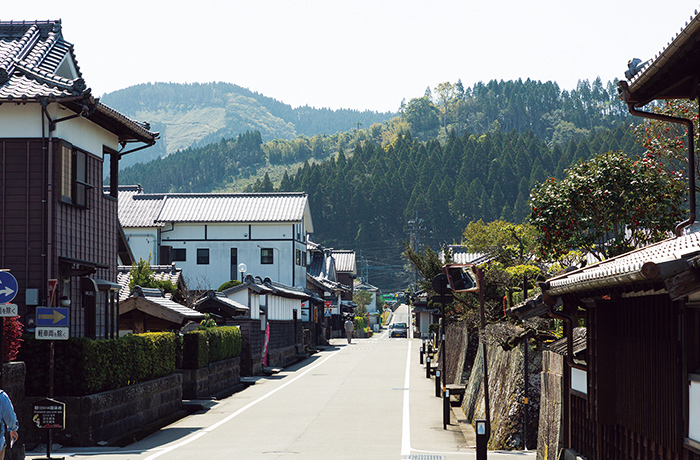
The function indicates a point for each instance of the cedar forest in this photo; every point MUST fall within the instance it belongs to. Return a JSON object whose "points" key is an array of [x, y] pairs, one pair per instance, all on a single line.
{"points": [[450, 157]]}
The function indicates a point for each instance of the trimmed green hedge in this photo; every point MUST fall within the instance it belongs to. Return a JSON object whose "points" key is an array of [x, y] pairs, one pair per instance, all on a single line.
{"points": [[84, 366], [205, 346]]}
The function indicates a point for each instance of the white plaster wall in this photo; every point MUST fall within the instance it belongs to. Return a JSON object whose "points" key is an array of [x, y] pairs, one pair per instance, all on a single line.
{"points": [[20, 121], [143, 241]]}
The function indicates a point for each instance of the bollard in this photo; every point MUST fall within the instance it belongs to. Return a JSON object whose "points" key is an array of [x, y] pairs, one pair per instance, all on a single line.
{"points": [[445, 408], [427, 367], [437, 384], [482, 439], [421, 353]]}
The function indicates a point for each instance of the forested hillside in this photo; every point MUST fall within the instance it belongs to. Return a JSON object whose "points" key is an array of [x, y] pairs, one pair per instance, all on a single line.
{"points": [[197, 114], [366, 184]]}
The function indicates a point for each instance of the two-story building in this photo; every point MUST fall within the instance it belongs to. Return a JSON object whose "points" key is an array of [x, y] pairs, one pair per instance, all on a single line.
{"points": [[217, 237], [59, 234]]}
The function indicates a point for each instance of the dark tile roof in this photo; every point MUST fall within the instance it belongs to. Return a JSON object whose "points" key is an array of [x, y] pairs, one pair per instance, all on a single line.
{"points": [[579, 341], [671, 74], [161, 272], [645, 265]]}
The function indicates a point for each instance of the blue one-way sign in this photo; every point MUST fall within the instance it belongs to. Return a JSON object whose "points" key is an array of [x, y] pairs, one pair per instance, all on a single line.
{"points": [[8, 287], [52, 317]]}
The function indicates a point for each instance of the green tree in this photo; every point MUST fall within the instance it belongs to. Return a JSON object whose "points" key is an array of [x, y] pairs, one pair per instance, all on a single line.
{"points": [[606, 206], [142, 275], [361, 299]]}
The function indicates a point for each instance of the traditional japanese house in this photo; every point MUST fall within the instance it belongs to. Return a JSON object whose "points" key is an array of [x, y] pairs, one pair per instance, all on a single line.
{"points": [[60, 233]]}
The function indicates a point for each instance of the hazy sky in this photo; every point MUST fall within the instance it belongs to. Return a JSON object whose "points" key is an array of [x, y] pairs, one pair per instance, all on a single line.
{"points": [[364, 54]]}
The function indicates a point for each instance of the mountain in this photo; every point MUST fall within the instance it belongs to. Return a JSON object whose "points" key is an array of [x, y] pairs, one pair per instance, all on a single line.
{"points": [[192, 115], [446, 160]]}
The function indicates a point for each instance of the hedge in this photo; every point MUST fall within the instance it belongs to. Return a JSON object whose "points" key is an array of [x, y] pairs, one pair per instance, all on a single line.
{"points": [[205, 346], [85, 366]]}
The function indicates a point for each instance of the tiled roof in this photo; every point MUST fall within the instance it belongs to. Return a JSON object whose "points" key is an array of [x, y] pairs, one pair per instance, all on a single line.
{"points": [[161, 272], [137, 209], [37, 63], [344, 261], [155, 297], [642, 265], [236, 207], [669, 75], [221, 298]]}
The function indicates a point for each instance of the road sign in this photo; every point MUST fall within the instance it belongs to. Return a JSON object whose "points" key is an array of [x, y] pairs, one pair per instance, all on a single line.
{"points": [[8, 310], [53, 283], [8, 287], [51, 333], [49, 413], [52, 317]]}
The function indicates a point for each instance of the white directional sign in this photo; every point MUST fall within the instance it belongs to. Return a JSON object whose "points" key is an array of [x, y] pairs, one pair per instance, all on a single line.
{"points": [[8, 287], [8, 310], [51, 333]]}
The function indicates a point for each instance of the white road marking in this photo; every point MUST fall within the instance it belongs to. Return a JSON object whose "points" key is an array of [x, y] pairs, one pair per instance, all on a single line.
{"points": [[406, 427], [216, 425]]}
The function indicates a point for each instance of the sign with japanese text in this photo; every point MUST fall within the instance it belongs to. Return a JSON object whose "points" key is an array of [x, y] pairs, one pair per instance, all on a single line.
{"points": [[49, 413]]}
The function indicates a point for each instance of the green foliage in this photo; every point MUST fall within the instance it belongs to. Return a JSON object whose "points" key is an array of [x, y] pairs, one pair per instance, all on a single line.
{"points": [[207, 323], [362, 299], [142, 275], [606, 206], [668, 141], [360, 323], [506, 242], [205, 346], [90, 366], [228, 285]]}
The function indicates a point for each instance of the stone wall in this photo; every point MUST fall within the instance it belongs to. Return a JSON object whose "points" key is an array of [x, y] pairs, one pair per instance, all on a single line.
{"points": [[216, 378], [112, 414], [506, 396], [550, 440], [284, 344], [251, 346]]}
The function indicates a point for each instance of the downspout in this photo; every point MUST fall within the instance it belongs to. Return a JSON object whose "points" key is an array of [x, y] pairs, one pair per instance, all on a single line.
{"points": [[569, 326], [691, 152]]}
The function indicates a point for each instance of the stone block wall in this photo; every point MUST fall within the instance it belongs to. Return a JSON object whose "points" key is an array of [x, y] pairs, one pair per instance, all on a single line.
{"points": [[218, 377], [284, 343], [251, 349], [112, 414]]}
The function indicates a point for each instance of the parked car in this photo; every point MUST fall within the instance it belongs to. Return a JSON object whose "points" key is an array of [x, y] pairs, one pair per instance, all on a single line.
{"points": [[398, 330]]}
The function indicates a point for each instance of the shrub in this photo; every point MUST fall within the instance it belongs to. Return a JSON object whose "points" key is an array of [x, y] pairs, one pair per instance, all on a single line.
{"points": [[12, 338], [85, 366], [205, 346]]}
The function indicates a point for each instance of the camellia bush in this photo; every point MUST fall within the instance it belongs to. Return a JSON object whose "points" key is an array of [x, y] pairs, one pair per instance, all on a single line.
{"points": [[607, 206]]}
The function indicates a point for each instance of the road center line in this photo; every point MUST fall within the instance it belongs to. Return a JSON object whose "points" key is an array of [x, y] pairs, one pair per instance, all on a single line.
{"points": [[406, 424], [216, 425]]}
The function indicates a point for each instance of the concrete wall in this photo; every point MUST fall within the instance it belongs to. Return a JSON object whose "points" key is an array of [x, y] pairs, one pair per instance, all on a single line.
{"points": [[506, 395]]}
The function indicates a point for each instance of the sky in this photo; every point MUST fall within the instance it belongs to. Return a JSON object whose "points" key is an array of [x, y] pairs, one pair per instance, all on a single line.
{"points": [[363, 54]]}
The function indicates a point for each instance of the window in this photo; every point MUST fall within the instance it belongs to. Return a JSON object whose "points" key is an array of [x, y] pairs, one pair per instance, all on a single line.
{"points": [[179, 255], [74, 185], [298, 258], [202, 256], [267, 256], [234, 264]]}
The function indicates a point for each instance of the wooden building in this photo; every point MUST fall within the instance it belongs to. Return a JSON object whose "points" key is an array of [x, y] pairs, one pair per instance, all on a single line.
{"points": [[60, 233]]}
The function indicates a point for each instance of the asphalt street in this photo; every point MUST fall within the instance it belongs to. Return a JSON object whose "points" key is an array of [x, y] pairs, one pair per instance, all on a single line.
{"points": [[365, 400]]}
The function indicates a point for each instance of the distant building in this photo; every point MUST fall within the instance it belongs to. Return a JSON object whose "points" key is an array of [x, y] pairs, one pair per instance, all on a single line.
{"points": [[210, 235]]}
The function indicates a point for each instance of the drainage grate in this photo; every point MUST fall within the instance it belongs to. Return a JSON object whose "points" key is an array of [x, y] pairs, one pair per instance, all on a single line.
{"points": [[425, 457]]}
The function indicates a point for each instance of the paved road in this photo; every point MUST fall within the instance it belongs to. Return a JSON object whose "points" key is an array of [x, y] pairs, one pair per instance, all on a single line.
{"points": [[366, 400]]}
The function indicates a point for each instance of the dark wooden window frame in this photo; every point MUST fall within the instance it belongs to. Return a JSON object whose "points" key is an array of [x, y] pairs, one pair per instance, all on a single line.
{"points": [[202, 256], [267, 256]]}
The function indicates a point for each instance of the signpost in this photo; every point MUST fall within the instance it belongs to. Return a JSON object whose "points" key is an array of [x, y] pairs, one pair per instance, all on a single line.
{"points": [[8, 287], [49, 414], [52, 323]]}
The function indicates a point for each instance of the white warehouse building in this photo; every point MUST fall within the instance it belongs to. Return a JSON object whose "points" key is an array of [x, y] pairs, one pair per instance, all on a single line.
{"points": [[212, 237]]}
